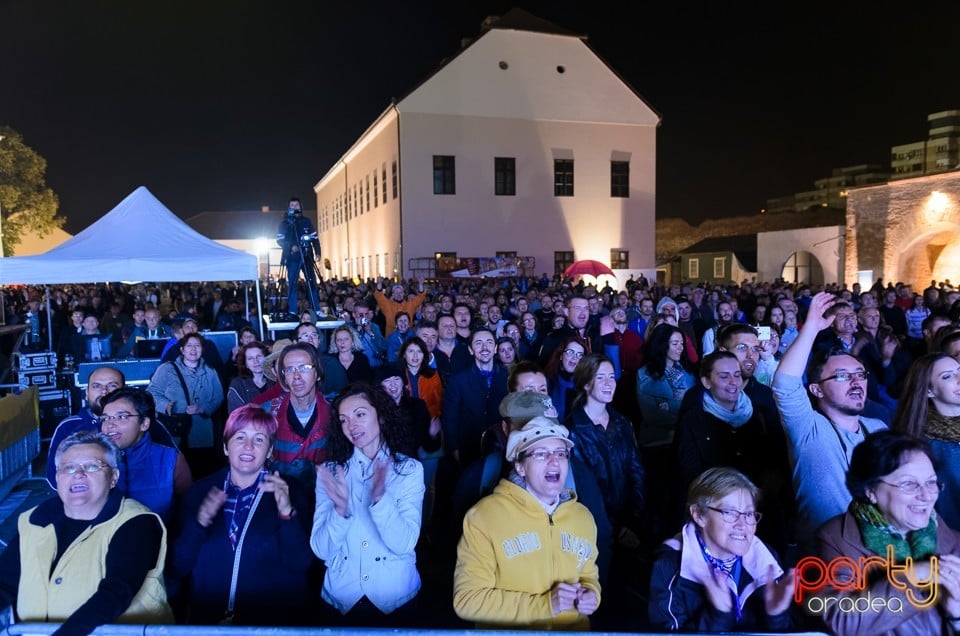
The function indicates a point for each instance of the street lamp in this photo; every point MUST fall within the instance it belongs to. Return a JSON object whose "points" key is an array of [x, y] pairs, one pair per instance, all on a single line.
{"points": [[263, 250]]}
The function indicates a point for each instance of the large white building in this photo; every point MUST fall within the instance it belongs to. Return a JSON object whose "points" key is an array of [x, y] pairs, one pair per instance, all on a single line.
{"points": [[525, 144]]}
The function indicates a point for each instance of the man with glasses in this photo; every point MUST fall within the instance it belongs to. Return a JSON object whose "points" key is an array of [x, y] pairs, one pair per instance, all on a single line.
{"points": [[303, 416], [821, 440], [152, 472], [743, 342], [102, 380]]}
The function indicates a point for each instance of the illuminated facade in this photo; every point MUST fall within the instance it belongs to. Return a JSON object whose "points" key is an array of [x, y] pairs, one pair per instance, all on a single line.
{"points": [[906, 230], [526, 143]]}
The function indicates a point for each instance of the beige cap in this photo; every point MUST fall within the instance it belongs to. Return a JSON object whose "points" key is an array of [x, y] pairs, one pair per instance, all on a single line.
{"points": [[275, 352], [536, 430]]}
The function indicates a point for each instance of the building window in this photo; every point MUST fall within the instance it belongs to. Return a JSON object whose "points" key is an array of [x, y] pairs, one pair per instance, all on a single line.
{"points": [[619, 178], [396, 179], [383, 174], [444, 174], [719, 267], [619, 259], [693, 268], [505, 176], [368, 193], [376, 189], [506, 254], [563, 177], [561, 261]]}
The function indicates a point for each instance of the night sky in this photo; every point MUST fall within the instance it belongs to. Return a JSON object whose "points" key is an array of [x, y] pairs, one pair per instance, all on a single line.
{"points": [[218, 105]]}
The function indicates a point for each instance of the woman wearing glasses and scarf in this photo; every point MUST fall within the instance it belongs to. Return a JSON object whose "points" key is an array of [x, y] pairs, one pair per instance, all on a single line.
{"points": [[895, 487], [716, 576], [89, 556], [242, 551]]}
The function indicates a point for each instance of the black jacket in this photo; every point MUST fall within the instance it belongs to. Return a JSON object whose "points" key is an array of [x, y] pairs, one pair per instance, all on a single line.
{"points": [[291, 232], [678, 604], [611, 454]]}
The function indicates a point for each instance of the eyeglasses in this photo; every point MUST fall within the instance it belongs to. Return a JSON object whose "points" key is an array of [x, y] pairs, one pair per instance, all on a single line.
{"points": [[743, 348], [541, 455], [576, 355], [309, 336], [751, 518], [846, 376], [913, 487], [302, 369], [87, 468], [122, 416]]}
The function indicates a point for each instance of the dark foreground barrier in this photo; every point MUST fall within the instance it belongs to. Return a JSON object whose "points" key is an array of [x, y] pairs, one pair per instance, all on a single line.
{"points": [[45, 629]]}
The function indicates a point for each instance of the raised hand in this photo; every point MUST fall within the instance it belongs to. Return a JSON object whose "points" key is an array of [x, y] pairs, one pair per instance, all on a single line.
{"points": [[210, 506], [334, 482], [274, 483], [607, 325], [778, 593], [949, 583], [819, 304], [718, 592]]}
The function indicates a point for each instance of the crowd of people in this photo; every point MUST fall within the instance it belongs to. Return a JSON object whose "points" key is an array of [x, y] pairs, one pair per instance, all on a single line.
{"points": [[567, 455]]}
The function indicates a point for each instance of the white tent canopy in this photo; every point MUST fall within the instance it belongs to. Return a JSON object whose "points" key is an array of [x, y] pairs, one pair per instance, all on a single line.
{"points": [[139, 240]]}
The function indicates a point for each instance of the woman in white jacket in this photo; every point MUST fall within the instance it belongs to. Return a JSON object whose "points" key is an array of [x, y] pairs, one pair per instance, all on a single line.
{"points": [[369, 505]]}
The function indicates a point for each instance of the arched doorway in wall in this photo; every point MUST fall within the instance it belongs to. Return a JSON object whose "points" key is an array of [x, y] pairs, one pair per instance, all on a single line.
{"points": [[931, 256], [802, 267]]}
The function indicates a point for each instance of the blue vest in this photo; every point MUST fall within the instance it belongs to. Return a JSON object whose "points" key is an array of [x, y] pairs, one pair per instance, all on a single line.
{"points": [[146, 474]]}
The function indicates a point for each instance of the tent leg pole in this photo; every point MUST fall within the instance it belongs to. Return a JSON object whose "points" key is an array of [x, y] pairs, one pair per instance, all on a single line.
{"points": [[46, 293], [260, 322]]}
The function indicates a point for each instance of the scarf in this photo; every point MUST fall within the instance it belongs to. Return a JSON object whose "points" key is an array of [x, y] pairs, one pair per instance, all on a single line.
{"points": [[735, 418], [675, 373], [877, 534], [942, 427], [730, 568], [237, 506]]}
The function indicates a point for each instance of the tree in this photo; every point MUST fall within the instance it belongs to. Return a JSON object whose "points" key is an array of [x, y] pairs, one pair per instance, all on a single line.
{"points": [[25, 200]]}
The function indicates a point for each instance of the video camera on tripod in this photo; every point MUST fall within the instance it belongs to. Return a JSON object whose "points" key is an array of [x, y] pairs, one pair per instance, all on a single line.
{"points": [[301, 251]]}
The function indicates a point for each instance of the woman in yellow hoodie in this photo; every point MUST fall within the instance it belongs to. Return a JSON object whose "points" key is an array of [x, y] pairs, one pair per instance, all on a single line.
{"points": [[528, 555]]}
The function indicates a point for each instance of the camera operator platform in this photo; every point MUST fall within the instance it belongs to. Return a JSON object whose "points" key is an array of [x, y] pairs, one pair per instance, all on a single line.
{"points": [[301, 251]]}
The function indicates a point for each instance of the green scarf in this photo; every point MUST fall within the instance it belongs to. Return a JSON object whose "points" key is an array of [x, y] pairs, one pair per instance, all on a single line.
{"points": [[941, 427], [877, 534]]}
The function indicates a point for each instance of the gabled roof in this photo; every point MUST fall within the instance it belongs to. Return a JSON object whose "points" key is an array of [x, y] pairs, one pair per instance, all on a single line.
{"points": [[522, 67], [520, 20], [743, 246]]}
